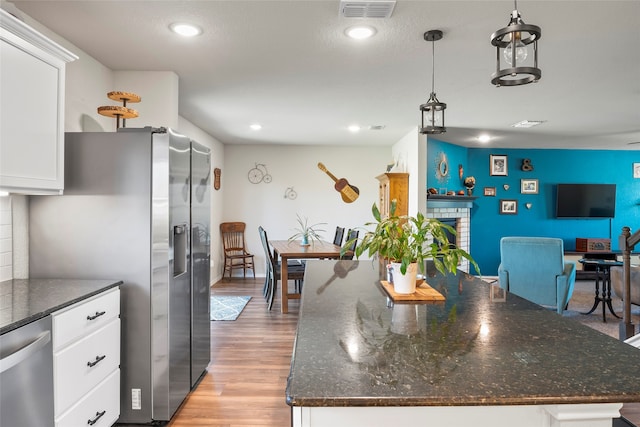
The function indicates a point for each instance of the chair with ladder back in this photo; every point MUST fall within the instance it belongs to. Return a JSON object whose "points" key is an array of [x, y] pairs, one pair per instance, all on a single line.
{"points": [[236, 255]]}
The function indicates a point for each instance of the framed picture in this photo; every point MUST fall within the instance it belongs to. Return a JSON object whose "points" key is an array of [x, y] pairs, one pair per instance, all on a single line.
{"points": [[498, 165], [508, 207], [636, 170], [489, 191], [529, 186]]}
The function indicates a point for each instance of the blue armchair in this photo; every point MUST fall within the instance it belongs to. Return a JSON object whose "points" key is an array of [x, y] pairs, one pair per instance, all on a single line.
{"points": [[534, 268]]}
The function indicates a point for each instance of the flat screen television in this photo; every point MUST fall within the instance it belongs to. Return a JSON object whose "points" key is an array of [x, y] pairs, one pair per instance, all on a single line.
{"points": [[586, 201]]}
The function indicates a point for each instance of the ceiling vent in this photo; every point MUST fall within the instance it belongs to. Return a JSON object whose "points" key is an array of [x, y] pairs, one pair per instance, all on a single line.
{"points": [[367, 9]]}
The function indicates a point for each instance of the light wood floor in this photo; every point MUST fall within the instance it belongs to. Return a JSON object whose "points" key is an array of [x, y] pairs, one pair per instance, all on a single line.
{"points": [[245, 382]]}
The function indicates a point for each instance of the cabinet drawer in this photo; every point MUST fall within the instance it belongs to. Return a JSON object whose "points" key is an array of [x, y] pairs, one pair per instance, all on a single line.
{"points": [[72, 373], [84, 317], [104, 398]]}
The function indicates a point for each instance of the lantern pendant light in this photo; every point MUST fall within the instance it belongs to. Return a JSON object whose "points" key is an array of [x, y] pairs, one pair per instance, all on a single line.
{"points": [[433, 110], [514, 44]]}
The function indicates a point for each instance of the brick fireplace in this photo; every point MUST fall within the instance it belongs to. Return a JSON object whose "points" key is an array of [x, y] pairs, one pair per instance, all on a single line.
{"points": [[457, 208]]}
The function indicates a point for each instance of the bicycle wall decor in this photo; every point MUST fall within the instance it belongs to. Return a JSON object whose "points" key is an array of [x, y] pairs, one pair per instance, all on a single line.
{"points": [[258, 174]]}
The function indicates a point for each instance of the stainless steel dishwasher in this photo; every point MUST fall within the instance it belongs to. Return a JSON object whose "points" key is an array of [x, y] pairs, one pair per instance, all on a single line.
{"points": [[26, 376]]}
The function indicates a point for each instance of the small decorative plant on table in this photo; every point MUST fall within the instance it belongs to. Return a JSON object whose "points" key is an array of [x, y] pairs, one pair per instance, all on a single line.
{"points": [[307, 233], [408, 241]]}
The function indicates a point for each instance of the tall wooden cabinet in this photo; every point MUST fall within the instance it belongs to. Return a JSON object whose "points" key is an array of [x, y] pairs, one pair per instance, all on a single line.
{"points": [[394, 186]]}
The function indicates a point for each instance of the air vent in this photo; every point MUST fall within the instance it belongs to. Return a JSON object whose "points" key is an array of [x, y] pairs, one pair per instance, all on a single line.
{"points": [[528, 123], [377, 127], [366, 9]]}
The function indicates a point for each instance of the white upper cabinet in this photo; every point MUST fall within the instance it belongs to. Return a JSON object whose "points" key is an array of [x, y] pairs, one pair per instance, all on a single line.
{"points": [[32, 78]]}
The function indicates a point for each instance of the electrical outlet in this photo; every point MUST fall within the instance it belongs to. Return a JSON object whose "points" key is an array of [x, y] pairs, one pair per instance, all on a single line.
{"points": [[136, 399]]}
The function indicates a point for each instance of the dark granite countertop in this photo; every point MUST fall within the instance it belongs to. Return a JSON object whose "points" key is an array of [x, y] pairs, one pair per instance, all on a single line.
{"points": [[25, 300], [479, 347]]}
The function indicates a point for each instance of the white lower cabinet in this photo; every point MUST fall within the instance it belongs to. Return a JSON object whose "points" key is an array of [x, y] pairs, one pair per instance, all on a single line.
{"points": [[99, 408], [86, 361]]}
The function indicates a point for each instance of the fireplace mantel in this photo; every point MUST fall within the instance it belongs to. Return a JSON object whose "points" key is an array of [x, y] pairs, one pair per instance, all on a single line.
{"points": [[442, 201]]}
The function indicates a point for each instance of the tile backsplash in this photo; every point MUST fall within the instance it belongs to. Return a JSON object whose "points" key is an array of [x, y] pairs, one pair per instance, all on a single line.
{"points": [[6, 239]]}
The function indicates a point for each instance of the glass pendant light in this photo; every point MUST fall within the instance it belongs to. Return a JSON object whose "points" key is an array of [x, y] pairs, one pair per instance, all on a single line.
{"points": [[514, 44], [433, 110]]}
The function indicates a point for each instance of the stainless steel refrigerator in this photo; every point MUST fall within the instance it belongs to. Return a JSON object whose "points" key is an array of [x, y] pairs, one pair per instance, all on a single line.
{"points": [[136, 207]]}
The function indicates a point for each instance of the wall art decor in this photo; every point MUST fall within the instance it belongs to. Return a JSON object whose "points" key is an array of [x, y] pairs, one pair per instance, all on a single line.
{"points": [[216, 178], [442, 168], [258, 174], [636, 170], [526, 165], [498, 165], [348, 192], [490, 191], [508, 207], [290, 193], [529, 186]]}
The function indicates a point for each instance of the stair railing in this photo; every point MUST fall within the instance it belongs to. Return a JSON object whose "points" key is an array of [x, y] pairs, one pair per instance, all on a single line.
{"points": [[627, 242]]}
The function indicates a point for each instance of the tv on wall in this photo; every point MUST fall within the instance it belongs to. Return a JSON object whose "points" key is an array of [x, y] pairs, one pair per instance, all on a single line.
{"points": [[586, 201]]}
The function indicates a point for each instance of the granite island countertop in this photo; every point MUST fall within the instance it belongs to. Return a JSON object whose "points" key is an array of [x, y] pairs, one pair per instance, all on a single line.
{"points": [[25, 300], [480, 347]]}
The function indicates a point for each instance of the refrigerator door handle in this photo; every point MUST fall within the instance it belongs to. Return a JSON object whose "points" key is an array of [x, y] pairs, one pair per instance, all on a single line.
{"points": [[180, 246]]}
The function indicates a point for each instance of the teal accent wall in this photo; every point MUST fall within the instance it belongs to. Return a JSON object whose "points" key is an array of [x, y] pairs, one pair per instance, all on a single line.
{"points": [[455, 155], [550, 167]]}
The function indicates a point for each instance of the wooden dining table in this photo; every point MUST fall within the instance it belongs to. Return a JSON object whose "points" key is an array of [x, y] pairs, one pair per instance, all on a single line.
{"points": [[294, 250]]}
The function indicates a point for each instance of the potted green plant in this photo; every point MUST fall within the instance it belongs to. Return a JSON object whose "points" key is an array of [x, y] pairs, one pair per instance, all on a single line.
{"points": [[407, 241], [307, 233]]}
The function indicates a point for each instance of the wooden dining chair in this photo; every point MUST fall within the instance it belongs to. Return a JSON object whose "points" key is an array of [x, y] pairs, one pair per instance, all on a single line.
{"points": [[236, 255], [295, 271], [337, 239], [352, 234]]}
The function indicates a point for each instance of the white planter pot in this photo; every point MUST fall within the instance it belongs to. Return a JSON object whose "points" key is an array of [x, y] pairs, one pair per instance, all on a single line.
{"points": [[404, 283]]}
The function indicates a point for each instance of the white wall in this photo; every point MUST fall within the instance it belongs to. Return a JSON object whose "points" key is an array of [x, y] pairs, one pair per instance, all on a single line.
{"points": [[158, 91], [296, 166], [411, 156]]}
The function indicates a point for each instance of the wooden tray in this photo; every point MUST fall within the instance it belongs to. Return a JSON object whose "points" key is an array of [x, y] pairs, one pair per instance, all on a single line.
{"points": [[423, 293]]}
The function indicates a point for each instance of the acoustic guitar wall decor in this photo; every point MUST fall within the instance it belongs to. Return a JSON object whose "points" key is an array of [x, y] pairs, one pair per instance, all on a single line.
{"points": [[348, 192]]}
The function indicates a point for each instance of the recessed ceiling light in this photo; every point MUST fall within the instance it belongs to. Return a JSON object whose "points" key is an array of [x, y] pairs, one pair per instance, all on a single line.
{"points": [[360, 32], [256, 126], [484, 138], [186, 30], [354, 128], [527, 123]]}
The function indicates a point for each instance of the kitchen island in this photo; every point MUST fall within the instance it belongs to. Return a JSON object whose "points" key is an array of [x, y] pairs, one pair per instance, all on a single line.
{"points": [[481, 358]]}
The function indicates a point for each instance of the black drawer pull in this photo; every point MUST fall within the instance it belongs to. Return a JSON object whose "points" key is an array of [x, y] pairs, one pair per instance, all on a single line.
{"points": [[98, 359], [98, 314], [95, 420]]}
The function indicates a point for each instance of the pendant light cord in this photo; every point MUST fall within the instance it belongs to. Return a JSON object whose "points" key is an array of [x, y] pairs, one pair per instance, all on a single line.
{"points": [[433, 64]]}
